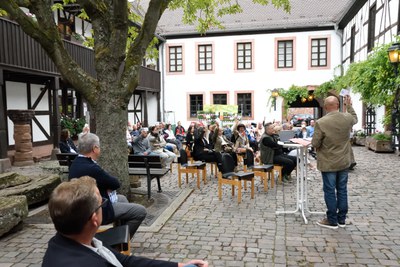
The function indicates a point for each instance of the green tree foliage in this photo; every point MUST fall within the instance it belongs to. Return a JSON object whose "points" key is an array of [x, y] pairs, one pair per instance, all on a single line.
{"points": [[119, 47], [373, 78]]}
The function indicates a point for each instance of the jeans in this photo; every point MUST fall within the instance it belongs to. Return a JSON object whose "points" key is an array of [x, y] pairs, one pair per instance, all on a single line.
{"points": [[335, 194]]}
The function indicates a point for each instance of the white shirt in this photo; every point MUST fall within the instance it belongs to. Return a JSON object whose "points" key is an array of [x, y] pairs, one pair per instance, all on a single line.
{"points": [[104, 252]]}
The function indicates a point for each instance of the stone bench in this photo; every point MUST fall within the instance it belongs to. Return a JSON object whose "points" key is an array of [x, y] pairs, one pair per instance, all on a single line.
{"points": [[13, 210], [36, 188]]}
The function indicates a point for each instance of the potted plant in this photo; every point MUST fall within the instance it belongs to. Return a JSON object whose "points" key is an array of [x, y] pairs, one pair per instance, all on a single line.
{"points": [[359, 137], [379, 142]]}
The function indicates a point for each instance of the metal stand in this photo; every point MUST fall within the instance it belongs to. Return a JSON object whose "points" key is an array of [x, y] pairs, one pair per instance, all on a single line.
{"points": [[301, 183]]}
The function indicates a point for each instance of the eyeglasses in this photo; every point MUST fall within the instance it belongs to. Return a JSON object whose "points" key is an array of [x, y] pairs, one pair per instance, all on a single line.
{"points": [[104, 201]]}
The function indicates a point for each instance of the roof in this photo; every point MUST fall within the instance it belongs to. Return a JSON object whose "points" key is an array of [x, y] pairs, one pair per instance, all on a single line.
{"points": [[256, 17]]}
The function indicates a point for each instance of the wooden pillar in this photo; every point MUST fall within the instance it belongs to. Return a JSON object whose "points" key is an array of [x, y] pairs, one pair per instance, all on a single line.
{"points": [[5, 163], [3, 118], [145, 110]]}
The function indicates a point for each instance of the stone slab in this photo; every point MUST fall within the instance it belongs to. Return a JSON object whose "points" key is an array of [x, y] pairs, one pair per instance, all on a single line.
{"points": [[13, 210]]}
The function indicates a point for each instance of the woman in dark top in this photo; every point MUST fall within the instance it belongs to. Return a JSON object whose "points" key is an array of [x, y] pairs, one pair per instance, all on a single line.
{"points": [[202, 150], [190, 137], [66, 144]]}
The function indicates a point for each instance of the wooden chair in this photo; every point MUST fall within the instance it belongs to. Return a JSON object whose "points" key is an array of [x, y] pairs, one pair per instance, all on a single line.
{"points": [[116, 237], [193, 168], [233, 178], [265, 172], [278, 168]]}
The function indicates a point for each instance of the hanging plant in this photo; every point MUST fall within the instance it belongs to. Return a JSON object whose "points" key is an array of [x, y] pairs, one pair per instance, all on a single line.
{"points": [[290, 95]]}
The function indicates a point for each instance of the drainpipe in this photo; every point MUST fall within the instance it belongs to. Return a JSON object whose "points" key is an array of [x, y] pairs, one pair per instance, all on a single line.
{"points": [[162, 70]]}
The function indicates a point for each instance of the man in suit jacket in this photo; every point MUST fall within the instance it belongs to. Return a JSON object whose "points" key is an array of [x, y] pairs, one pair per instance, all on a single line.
{"points": [[118, 206], [331, 141], [75, 209]]}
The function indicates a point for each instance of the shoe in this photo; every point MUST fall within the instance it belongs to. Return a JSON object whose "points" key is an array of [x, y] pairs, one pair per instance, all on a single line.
{"points": [[352, 165], [342, 224], [325, 223]]}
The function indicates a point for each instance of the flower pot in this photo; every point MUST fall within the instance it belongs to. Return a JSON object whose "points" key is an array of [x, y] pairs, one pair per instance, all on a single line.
{"points": [[378, 145], [360, 140]]}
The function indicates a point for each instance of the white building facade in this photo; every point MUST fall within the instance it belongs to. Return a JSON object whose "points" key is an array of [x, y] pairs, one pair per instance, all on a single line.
{"points": [[243, 70]]}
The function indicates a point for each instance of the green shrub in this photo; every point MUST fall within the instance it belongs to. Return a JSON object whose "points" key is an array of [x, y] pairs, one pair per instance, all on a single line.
{"points": [[381, 137], [74, 126]]}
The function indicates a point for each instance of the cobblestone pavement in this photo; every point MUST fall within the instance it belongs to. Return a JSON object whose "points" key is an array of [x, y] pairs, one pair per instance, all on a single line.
{"points": [[226, 233]]}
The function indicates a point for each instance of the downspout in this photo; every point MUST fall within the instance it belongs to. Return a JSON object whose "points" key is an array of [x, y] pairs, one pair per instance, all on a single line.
{"points": [[340, 34], [162, 70]]}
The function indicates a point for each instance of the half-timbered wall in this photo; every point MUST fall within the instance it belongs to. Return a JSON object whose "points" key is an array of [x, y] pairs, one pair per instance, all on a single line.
{"points": [[374, 24]]}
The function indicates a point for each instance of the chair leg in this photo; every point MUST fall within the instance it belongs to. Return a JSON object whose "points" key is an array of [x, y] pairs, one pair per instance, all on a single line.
{"points": [[219, 189], [265, 180], [239, 192], [272, 178], [252, 188], [233, 190], [179, 176], [204, 175], [198, 178]]}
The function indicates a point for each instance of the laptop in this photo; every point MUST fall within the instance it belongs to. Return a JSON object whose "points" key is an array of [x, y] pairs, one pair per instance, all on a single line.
{"points": [[286, 135]]}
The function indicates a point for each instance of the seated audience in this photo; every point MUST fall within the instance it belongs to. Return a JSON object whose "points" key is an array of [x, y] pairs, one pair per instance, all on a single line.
{"points": [[118, 207], [75, 209], [158, 146], [272, 152], [202, 150], [303, 132], [190, 137], [66, 144], [223, 145], [141, 144], [180, 132], [170, 136], [310, 128]]}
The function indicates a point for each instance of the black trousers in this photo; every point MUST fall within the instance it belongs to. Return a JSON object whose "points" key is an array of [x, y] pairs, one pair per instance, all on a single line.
{"points": [[288, 163]]}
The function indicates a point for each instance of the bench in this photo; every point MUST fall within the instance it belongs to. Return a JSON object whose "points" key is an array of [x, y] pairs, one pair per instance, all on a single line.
{"points": [[65, 159], [150, 166]]}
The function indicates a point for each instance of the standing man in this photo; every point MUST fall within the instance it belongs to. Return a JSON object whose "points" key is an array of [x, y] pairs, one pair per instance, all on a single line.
{"points": [[118, 206], [331, 141]]}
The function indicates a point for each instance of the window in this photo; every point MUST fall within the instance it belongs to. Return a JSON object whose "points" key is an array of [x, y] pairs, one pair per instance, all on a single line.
{"points": [[285, 54], [244, 56], [352, 43], [205, 58], [219, 99], [196, 104], [175, 59], [244, 104], [371, 27], [319, 52]]}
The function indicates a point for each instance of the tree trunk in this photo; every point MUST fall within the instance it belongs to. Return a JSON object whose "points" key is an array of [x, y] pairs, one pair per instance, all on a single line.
{"points": [[111, 122]]}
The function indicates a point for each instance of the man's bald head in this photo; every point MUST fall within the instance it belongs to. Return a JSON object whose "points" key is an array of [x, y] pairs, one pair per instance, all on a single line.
{"points": [[331, 103]]}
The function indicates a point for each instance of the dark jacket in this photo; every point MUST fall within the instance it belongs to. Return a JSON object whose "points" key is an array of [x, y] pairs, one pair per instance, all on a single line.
{"points": [[82, 166], [65, 146], [65, 252], [269, 148], [198, 149]]}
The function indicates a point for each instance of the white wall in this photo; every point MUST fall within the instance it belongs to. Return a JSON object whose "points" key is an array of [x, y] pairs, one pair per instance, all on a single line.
{"points": [[260, 80]]}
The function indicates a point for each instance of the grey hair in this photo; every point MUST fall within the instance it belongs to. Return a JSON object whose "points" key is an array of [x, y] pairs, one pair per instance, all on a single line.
{"points": [[87, 141]]}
